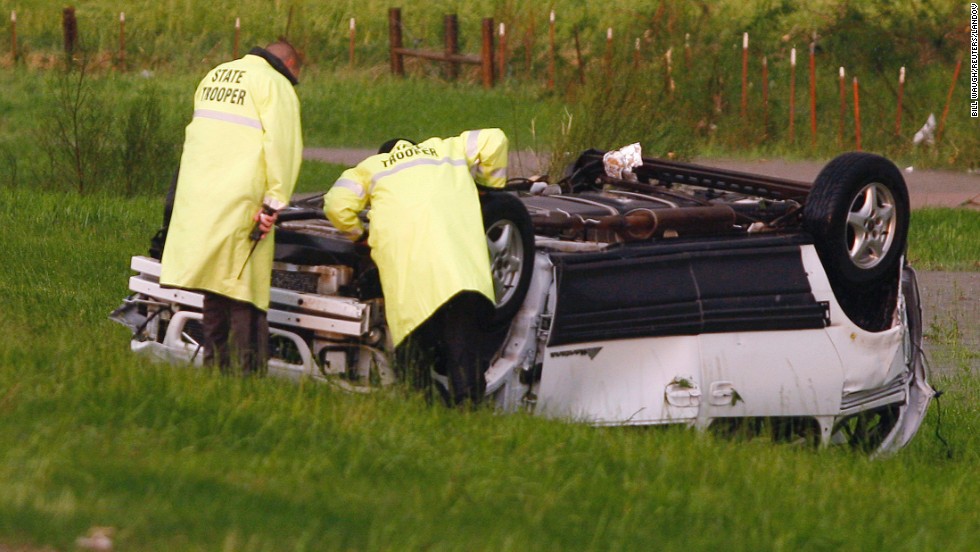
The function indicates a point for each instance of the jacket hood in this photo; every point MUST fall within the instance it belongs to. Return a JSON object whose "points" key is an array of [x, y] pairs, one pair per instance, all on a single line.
{"points": [[276, 63]]}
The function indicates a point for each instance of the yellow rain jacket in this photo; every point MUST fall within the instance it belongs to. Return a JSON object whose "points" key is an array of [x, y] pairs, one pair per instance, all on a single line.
{"points": [[426, 228], [244, 146]]}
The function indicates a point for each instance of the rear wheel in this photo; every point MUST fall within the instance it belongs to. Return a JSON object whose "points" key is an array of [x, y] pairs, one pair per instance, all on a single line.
{"points": [[858, 213], [866, 431], [510, 241]]}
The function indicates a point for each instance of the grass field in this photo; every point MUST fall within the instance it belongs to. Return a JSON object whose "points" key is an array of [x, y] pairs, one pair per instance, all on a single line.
{"points": [[169, 458], [179, 459]]}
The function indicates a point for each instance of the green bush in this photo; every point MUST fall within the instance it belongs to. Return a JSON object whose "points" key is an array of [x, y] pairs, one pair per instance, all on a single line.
{"points": [[72, 132], [148, 148], [98, 135]]}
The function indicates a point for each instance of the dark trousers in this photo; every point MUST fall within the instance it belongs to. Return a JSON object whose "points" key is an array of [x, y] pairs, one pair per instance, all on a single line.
{"points": [[236, 335], [449, 342]]}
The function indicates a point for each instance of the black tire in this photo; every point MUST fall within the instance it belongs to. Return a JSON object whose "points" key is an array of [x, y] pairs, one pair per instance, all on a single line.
{"points": [[510, 240], [858, 214]]}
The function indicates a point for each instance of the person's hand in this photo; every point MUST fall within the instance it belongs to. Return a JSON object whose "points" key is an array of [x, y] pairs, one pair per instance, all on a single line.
{"points": [[266, 221], [361, 244]]}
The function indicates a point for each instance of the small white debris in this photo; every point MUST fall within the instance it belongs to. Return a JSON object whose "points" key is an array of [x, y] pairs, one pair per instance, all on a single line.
{"points": [[98, 538], [926, 134]]}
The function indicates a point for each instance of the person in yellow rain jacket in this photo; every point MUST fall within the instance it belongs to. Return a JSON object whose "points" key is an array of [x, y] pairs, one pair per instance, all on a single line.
{"points": [[242, 151], [427, 239]]}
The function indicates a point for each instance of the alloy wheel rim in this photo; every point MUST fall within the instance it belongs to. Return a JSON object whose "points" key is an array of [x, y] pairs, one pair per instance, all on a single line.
{"points": [[871, 224]]}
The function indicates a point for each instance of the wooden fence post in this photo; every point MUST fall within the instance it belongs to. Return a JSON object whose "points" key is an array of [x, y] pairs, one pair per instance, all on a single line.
{"points": [[857, 115], [395, 40], [607, 58], [792, 95], [529, 41], [636, 54], [551, 50], [353, 39], [898, 109], [745, 77], [122, 40], [13, 35], [843, 109], [579, 62], [949, 98], [450, 24], [765, 96], [69, 27], [813, 95], [487, 53], [687, 50], [502, 51]]}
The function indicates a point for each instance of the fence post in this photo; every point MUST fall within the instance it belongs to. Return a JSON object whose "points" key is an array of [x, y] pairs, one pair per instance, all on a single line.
{"points": [[353, 38], [502, 51], [765, 96], [579, 62], [792, 95], [745, 76], [395, 40], [843, 109], [238, 33], [949, 98], [669, 69], [13, 35], [687, 50], [898, 110], [487, 53], [122, 40], [636, 54], [813, 95], [857, 115], [607, 58], [69, 26], [551, 50], [450, 25], [529, 46]]}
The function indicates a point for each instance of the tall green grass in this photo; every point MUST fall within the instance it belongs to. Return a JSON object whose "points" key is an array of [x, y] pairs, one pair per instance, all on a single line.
{"points": [[182, 459], [871, 40], [339, 111]]}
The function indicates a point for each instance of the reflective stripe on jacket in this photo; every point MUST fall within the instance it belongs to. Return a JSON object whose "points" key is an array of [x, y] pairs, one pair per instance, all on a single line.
{"points": [[426, 228], [243, 146]]}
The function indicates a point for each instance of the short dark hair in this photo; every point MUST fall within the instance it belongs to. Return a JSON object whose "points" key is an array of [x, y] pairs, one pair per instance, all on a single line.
{"points": [[390, 144], [283, 50]]}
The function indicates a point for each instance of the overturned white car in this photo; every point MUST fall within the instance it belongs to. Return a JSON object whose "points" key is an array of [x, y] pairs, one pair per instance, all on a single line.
{"points": [[674, 294]]}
